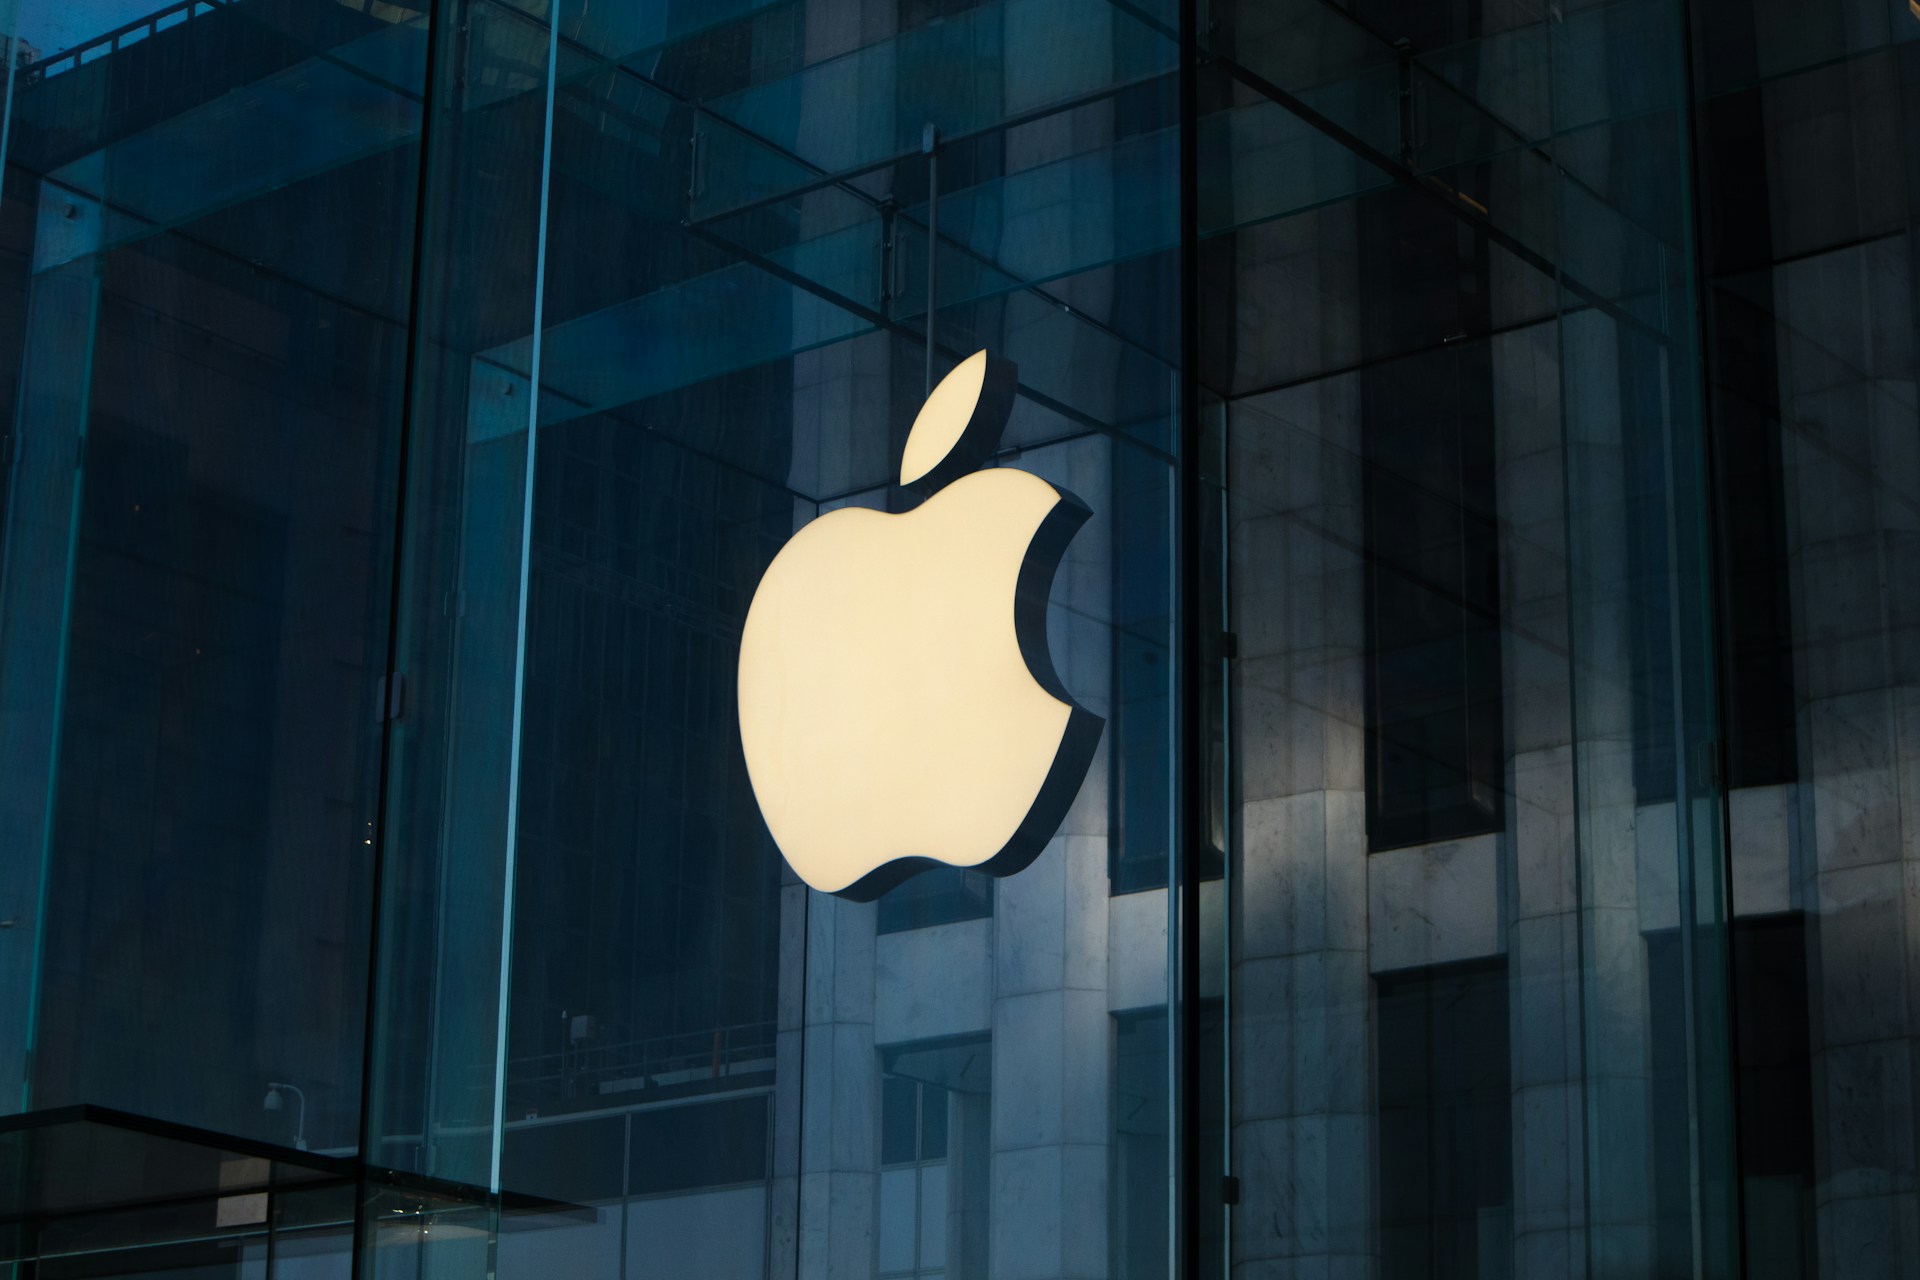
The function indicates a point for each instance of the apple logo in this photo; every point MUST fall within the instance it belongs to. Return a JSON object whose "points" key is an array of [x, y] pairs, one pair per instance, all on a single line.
{"points": [[898, 707]]}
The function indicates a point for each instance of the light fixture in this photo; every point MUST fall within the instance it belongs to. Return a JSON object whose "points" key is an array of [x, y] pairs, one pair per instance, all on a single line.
{"points": [[274, 1102]]}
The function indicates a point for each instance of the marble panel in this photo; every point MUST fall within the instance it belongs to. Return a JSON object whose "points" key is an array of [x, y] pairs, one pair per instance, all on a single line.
{"points": [[1083, 1211], [840, 969], [1869, 1237], [1025, 1222], [1030, 921], [1544, 991], [1542, 832], [1862, 983], [1853, 796], [1759, 839], [1434, 904], [933, 982], [1276, 836], [1549, 1177], [1867, 1090], [1137, 950], [1263, 1043], [1029, 1045]]}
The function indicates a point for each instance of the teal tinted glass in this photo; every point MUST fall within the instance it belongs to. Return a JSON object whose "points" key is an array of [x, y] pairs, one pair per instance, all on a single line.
{"points": [[211, 223], [1496, 426]]}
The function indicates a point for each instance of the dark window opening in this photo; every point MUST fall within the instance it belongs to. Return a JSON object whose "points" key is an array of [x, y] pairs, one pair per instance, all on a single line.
{"points": [[936, 1149], [1137, 1208], [1446, 1130], [709, 1144], [1434, 735], [1137, 1236], [1773, 1098], [1744, 415]]}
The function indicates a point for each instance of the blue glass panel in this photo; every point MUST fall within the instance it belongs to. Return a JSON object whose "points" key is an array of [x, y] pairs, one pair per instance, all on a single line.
{"points": [[199, 539]]}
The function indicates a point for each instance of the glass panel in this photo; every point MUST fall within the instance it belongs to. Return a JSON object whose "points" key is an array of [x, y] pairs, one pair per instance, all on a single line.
{"points": [[899, 1120], [933, 1215], [933, 1122], [202, 479], [438, 1062], [1138, 1227], [657, 296], [897, 1221], [405, 402], [1806, 148], [1446, 1131], [1477, 926]]}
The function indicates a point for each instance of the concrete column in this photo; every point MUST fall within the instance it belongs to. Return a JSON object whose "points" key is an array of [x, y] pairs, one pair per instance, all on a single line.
{"points": [[789, 1045], [1051, 1022], [1613, 993], [839, 1139], [1853, 498], [1302, 1072], [1539, 848]]}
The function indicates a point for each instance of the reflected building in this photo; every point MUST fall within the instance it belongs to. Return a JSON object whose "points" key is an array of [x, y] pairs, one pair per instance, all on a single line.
{"points": [[1500, 426]]}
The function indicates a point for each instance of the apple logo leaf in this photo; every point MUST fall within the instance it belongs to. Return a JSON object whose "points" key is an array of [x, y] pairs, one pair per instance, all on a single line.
{"points": [[959, 427]]}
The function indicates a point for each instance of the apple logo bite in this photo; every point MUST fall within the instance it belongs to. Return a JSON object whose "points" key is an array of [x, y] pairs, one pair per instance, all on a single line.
{"points": [[897, 703]]}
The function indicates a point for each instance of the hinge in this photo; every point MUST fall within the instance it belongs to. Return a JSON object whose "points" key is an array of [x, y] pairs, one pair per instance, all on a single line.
{"points": [[1229, 1190], [393, 696], [887, 280], [1229, 645], [696, 165]]}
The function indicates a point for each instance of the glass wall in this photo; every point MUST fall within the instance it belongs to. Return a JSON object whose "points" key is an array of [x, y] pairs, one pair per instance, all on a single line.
{"points": [[1499, 431], [1479, 1011], [475, 359], [1806, 144], [207, 309], [1564, 355]]}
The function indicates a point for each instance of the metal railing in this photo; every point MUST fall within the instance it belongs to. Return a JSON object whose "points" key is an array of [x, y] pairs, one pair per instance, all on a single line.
{"points": [[593, 1071], [112, 42], [173, 15]]}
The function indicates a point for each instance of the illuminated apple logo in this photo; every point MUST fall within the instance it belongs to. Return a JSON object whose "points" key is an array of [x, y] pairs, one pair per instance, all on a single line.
{"points": [[897, 704]]}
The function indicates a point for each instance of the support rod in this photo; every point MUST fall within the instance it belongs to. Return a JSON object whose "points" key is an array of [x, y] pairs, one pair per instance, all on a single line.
{"points": [[930, 147]]}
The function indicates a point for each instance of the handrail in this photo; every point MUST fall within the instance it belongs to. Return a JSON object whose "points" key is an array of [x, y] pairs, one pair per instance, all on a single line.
{"points": [[707, 1056], [140, 28], [68, 59]]}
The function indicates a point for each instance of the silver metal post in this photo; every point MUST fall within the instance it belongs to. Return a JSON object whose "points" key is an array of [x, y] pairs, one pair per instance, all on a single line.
{"points": [[930, 147]]}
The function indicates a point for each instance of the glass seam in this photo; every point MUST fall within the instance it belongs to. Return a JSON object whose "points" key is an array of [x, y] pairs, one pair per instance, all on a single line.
{"points": [[508, 871]]}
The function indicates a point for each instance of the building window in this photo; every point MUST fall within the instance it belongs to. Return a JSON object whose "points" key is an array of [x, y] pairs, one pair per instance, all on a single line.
{"points": [[1446, 1132], [1137, 1236], [935, 1155], [1745, 448], [1773, 1094], [1137, 1208], [1434, 739]]}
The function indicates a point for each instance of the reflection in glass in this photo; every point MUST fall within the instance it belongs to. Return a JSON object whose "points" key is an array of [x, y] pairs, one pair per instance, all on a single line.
{"points": [[1557, 889], [935, 1197]]}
